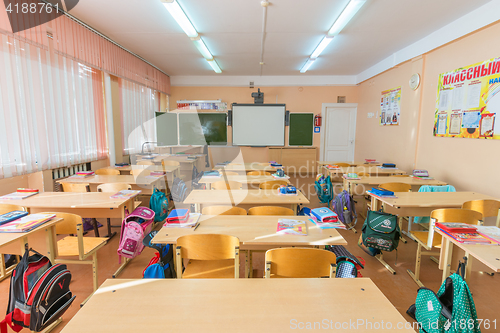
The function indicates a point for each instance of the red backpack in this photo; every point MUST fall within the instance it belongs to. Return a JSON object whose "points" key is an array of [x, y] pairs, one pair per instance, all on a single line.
{"points": [[39, 293]]}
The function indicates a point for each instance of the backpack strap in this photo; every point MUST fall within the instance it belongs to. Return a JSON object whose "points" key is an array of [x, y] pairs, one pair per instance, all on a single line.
{"points": [[8, 321], [461, 268]]}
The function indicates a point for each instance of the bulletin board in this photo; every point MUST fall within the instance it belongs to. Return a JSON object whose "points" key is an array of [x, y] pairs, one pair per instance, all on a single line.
{"points": [[301, 129], [468, 101], [390, 106]]}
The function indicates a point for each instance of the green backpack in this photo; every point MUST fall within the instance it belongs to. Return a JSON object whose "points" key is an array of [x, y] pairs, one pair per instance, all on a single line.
{"points": [[381, 231], [159, 204], [451, 310]]}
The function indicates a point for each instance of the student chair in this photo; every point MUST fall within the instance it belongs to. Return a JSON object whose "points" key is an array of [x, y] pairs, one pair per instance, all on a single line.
{"points": [[489, 208], [342, 164], [258, 173], [299, 263], [80, 187], [4, 271], [270, 210], [107, 171], [140, 172], [223, 210], [429, 239], [272, 184], [229, 185], [210, 256], [112, 188], [145, 163], [77, 246]]}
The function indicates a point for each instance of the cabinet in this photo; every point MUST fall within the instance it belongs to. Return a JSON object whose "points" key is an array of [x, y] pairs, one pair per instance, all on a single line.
{"points": [[295, 160]]}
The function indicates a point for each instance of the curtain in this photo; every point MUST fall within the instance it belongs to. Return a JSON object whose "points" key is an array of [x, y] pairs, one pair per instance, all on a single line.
{"points": [[138, 104], [51, 109]]}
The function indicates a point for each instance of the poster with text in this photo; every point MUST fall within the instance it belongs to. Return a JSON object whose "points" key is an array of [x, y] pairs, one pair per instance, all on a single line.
{"points": [[390, 105], [468, 102]]}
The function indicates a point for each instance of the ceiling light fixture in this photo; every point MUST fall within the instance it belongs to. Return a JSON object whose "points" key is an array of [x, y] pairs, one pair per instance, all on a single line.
{"points": [[347, 14], [181, 18]]}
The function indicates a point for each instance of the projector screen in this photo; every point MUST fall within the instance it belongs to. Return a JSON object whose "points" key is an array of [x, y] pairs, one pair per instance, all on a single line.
{"points": [[259, 125]]}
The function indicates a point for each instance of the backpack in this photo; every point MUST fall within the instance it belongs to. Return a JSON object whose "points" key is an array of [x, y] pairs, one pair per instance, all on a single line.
{"points": [[451, 310], [324, 189], [344, 206], [196, 178], [179, 190], [39, 293], [134, 227], [159, 204], [161, 266], [381, 231]]}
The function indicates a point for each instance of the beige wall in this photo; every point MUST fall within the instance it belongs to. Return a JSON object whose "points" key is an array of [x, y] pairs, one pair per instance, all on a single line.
{"points": [[468, 164]]}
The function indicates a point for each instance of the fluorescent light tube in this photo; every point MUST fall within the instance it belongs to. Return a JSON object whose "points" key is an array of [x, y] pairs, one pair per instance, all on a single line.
{"points": [[349, 11], [178, 14], [202, 48], [214, 66], [308, 64], [324, 43]]}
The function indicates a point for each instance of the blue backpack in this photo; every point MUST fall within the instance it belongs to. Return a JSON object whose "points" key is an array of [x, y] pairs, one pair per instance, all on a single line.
{"points": [[345, 207], [161, 266], [324, 189], [159, 204]]}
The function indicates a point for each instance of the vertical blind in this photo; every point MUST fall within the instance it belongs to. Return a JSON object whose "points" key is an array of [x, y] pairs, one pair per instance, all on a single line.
{"points": [[138, 105], [51, 109]]}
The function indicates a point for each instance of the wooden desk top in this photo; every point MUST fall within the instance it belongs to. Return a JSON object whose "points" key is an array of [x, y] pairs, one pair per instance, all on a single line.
{"points": [[354, 164], [487, 254], [405, 180], [247, 167], [178, 158], [375, 170], [254, 230], [260, 197], [234, 305], [10, 237], [432, 199], [166, 168], [242, 179], [101, 179], [52, 200]]}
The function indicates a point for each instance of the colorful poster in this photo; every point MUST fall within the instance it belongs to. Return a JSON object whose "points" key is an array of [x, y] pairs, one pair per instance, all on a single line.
{"points": [[467, 102], [390, 105]]}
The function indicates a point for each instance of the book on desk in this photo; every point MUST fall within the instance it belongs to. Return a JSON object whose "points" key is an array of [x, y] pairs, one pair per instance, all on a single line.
{"points": [[26, 223]]}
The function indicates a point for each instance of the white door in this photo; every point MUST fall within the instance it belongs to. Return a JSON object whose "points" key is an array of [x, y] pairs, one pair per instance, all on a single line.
{"points": [[339, 133]]}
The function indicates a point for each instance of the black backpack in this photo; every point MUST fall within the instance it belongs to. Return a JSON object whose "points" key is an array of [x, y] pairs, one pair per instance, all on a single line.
{"points": [[39, 293], [381, 231]]}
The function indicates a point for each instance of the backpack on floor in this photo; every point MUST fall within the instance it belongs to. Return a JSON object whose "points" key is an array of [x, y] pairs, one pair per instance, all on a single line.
{"points": [[159, 204], [324, 188], [161, 266], [381, 231], [39, 293], [134, 227], [345, 207], [451, 310]]}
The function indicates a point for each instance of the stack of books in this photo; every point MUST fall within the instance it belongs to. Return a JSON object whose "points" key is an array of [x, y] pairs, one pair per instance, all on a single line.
{"points": [[325, 218], [181, 218], [157, 173], [26, 223], [21, 193], [292, 227], [465, 233], [11, 216], [83, 174], [370, 160], [125, 194], [381, 192], [351, 176], [212, 174], [332, 167]]}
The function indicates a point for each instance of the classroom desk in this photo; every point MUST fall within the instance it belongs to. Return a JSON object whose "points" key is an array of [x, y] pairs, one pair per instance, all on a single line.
{"points": [[87, 205], [244, 179], [244, 197], [236, 305], [8, 243], [353, 164], [144, 184], [372, 170], [359, 186], [255, 166], [169, 169], [487, 254]]}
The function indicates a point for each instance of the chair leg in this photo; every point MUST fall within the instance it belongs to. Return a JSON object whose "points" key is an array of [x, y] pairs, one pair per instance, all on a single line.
{"points": [[380, 257], [96, 228], [94, 270]]}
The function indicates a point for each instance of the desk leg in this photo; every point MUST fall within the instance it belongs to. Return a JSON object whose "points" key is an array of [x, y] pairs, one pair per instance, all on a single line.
{"points": [[447, 252], [294, 208], [197, 208], [122, 267], [375, 203], [51, 243]]}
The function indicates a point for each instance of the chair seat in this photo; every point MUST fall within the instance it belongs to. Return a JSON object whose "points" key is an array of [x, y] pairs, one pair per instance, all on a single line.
{"points": [[68, 246], [421, 237], [209, 269]]}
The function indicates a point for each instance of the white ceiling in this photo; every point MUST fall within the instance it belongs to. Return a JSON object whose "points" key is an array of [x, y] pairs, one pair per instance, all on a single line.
{"points": [[232, 29]]}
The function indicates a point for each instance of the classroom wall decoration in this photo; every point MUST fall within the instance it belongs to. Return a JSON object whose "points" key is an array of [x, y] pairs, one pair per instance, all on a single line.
{"points": [[390, 106], [468, 101]]}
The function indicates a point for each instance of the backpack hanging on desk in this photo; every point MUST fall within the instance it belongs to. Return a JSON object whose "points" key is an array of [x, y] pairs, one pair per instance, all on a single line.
{"points": [[381, 231], [134, 227], [345, 207], [161, 266], [159, 205], [39, 293]]}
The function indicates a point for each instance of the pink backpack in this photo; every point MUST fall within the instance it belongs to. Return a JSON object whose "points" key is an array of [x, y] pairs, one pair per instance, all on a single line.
{"points": [[134, 227]]}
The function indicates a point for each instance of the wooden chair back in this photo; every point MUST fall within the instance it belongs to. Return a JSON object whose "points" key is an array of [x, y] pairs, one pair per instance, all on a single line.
{"points": [[300, 263], [342, 165], [258, 173], [141, 172], [230, 185], [208, 246], [170, 163], [69, 224], [396, 187], [75, 187], [364, 174], [270, 210], [113, 187], [223, 210], [145, 163], [488, 208], [458, 215], [7, 208], [107, 171], [272, 184]]}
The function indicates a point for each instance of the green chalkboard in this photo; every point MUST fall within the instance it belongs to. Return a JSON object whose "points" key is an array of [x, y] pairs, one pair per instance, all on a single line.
{"points": [[301, 129], [203, 128], [166, 129]]}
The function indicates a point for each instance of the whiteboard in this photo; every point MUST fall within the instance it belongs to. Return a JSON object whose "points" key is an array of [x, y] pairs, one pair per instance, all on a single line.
{"points": [[259, 125]]}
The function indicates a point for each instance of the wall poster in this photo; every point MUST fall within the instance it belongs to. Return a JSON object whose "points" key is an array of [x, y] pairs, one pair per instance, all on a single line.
{"points": [[468, 102], [390, 105]]}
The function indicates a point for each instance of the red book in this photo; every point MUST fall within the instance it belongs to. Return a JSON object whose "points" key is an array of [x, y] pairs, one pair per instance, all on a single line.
{"points": [[474, 238], [454, 227]]}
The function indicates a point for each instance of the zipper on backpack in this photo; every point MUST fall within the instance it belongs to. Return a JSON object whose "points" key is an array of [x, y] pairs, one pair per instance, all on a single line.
{"points": [[48, 289]]}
